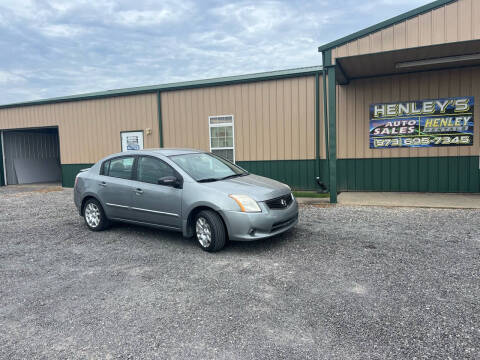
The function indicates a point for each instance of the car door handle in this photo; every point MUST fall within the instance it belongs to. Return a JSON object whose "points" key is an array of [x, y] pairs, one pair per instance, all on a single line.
{"points": [[103, 183], [139, 191]]}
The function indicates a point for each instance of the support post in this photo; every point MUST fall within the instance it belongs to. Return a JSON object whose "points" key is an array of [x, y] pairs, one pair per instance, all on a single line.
{"points": [[332, 126]]}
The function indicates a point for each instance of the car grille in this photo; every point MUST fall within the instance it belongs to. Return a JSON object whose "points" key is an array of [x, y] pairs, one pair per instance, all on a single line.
{"points": [[281, 202], [283, 224]]}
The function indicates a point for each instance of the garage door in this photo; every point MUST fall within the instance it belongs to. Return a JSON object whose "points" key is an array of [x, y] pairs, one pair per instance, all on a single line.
{"points": [[32, 156]]}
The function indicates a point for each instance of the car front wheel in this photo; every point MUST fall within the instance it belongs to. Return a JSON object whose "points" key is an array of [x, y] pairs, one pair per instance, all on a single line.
{"points": [[95, 216], [210, 231]]}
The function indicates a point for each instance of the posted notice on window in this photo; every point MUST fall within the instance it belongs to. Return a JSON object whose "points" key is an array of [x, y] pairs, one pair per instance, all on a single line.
{"points": [[422, 123]]}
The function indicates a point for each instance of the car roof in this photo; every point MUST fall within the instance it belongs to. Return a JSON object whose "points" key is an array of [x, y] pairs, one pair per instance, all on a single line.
{"points": [[161, 151]]}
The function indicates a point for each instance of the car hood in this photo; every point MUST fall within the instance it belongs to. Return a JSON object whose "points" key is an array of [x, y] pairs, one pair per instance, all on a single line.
{"points": [[257, 187]]}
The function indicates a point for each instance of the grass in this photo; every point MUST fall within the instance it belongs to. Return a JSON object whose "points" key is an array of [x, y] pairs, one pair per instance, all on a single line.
{"points": [[310, 194]]}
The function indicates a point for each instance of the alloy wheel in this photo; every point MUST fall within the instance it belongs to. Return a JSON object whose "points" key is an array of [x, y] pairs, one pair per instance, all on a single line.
{"points": [[204, 232], [92, 215]]}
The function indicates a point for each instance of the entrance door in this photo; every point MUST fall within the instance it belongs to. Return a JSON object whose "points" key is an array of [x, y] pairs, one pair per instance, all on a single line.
{"points": [[115, 187], [153, 203]]}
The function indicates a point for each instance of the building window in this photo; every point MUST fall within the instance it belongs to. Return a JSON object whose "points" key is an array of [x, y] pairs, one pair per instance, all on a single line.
{"points": [[222, 136]]}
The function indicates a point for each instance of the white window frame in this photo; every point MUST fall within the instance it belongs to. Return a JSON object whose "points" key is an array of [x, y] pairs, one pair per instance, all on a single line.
{"points": [[232, 124]]}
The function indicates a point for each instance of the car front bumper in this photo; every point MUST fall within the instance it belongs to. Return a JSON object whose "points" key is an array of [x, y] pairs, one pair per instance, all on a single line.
{"points": [[243, 226]]}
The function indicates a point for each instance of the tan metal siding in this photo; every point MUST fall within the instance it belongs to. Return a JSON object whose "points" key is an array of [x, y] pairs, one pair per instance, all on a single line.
{"points": [[457, 21], [353, 102], [274, 120], [89, 129]]}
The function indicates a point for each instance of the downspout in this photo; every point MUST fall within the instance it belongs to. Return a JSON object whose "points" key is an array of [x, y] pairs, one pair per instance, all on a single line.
{"points": [[325, 108], [160, 124], [325, 114]]}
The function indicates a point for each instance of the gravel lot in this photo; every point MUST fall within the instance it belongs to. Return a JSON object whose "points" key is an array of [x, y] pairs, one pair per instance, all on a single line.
{"points": [[348, 282]]}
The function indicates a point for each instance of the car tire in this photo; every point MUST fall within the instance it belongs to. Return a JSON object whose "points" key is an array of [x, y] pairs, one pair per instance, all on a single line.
{"points": [[210, 231], [94, 216]]}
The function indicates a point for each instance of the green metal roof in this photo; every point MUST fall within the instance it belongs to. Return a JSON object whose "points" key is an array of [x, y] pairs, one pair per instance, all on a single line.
{"points": [[384, 24], [229, 80]]}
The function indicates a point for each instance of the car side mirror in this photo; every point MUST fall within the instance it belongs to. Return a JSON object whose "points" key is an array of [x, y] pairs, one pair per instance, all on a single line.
{"points": [[169, 181]]}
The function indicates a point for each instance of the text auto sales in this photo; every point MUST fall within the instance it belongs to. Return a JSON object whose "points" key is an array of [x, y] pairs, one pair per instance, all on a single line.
{"points": [[422, 123], [435, 125]]}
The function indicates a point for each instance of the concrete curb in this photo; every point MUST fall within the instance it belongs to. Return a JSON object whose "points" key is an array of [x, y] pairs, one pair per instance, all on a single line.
{"points": [[411, 200], [313, 201], [409, 206]]}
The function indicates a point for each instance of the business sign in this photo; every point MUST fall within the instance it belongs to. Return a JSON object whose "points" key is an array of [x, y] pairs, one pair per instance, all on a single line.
{"points": [[422, 123], [132, 140]]}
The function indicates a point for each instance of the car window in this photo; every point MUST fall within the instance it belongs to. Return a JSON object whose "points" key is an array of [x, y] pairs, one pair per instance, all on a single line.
{"points": [[105, 168], [207, 167], [120, 168], [149, 170]]}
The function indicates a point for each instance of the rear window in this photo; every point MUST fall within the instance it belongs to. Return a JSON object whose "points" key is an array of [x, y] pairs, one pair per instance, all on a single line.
{"points": [[119, 167]]}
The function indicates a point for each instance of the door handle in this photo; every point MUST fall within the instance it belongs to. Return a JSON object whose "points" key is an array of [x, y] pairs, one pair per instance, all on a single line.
{"points": [[103, 183], [139, 191]]}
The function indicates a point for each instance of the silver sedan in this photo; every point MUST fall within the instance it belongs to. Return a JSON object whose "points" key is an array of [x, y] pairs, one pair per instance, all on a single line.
{"points": [[191, 191]]}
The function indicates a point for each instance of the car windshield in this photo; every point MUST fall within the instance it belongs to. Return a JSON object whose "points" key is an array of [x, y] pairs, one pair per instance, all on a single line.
{"points": [[205, 167]]}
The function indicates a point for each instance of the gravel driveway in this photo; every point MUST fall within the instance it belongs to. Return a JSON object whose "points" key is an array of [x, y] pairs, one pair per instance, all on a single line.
{"points": [[348, 282]]}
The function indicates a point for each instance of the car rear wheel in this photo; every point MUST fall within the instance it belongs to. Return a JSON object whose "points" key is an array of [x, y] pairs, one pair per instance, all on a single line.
{"points": [[95, 216], [210, 231]]}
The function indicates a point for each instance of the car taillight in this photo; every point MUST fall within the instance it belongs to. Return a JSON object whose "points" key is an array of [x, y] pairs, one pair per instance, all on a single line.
{"points": [[76, 180]]}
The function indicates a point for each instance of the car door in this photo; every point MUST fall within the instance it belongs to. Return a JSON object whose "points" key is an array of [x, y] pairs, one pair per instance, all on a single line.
{"points": [[153, 203], [115, 188]]}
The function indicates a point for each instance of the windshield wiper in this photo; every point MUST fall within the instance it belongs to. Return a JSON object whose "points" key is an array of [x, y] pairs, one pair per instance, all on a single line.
{"points": [[208, 180], [224, 178], [233, 176]]}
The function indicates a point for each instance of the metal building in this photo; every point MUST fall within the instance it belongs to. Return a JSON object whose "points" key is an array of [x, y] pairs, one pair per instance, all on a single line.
{"points": [[432, 52], [271, 118], [399, 109]]}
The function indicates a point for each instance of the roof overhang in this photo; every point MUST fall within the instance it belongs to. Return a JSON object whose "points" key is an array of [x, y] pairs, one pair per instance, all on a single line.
{"points": [[384, 24], [434, 57]]}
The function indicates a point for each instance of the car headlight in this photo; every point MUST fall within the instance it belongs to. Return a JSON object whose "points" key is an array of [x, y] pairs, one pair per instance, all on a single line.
{"points": [[246, 203]]}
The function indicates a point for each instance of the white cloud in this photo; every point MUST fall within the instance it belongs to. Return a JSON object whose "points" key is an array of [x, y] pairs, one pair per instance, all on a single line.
{"points": [[143, 18], [166, 11], [26, 9], [9, 78], [255, 17], [61, 30]]}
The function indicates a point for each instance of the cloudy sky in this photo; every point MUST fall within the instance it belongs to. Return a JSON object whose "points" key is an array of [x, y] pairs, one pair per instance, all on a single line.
{"points": [[53, 48]]}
